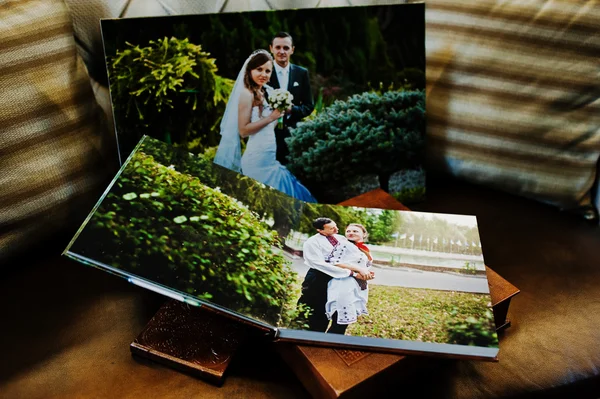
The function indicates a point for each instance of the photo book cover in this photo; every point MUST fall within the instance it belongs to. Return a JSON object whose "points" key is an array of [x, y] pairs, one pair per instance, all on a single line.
{"points": [[398, 281], [322, 104]]}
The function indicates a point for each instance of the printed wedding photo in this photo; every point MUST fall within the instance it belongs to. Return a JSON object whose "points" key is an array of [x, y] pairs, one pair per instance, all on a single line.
{"points": [[181, 222], [390, 274], [321, 104]]}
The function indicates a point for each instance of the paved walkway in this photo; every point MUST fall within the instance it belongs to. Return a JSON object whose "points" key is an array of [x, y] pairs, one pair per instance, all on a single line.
{"points": [[413, 278]]}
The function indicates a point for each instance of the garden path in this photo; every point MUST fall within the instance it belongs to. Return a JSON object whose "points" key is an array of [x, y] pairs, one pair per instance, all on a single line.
{"points": [[413, 278]]}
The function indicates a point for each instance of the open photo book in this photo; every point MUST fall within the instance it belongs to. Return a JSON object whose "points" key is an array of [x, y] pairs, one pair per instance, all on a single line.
{"points": [[274, 94], [363, 278]]}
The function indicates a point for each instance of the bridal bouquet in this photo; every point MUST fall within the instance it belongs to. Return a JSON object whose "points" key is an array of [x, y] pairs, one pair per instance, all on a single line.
{"points": [[280, 99]]}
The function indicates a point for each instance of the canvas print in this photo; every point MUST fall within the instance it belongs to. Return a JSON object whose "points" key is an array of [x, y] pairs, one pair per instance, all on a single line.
{"points": [[401, 281], [322, 104]]}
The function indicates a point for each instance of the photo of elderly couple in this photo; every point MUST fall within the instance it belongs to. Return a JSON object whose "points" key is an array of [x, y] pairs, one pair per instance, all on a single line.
{"points": [[321, 104], [184, 226]]}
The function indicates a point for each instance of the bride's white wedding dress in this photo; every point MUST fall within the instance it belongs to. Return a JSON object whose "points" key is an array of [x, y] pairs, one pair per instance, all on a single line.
{"points": [[259, 163], [344, 295]]}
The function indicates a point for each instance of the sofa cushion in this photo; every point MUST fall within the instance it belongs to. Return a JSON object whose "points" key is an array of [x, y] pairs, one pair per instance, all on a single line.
{"points": [[513, 96], [52, 140]]}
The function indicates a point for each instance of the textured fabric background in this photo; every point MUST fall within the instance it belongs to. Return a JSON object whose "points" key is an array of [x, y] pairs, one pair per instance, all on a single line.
{"points": [[513, 95], [52, 138]]}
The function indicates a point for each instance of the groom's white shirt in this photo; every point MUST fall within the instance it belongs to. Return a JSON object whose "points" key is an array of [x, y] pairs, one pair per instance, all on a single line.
{"points": [[316, 249]]}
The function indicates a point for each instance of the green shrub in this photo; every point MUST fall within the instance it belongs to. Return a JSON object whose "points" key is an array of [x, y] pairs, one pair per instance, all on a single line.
{"points": [[370, 133], [265, 201], [169, 90], [410, 195], [469, 268], [169, 227], [408, 186], [408, 178], [474, 330]]}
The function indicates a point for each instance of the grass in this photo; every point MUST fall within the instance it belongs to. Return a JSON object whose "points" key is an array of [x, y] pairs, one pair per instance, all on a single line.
{"points": [[419, 314]]}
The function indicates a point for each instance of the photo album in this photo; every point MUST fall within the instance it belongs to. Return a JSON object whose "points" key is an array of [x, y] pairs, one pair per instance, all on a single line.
{"points": [[238, 133], [399, 281]]}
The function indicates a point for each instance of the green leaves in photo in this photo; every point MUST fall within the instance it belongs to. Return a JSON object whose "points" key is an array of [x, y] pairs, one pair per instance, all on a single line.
{"points": [[168, 89], [169, 227], [369, 134]]}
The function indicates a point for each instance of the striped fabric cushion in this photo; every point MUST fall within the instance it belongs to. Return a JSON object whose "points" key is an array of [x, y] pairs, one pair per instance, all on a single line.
{"points": [[51, 136], [86, 16], [513, 95]]}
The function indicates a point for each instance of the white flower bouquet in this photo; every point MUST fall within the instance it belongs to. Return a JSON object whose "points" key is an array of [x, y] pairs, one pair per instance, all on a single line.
{"points": [[280, 99]]}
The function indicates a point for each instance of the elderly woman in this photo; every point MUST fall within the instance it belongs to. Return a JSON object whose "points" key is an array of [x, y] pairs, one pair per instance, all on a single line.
{"points": [[347, 297]]}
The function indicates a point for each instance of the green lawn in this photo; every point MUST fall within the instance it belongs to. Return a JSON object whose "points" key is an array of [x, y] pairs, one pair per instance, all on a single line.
{"points": [[423, 315]]}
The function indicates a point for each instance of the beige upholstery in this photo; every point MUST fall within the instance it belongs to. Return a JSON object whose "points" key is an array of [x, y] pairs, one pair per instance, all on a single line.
{"points": [[513, 97], [54, 147]]}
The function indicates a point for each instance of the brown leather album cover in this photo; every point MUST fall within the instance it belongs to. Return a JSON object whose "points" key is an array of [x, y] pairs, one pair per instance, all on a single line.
{"points": [[191, 339]]}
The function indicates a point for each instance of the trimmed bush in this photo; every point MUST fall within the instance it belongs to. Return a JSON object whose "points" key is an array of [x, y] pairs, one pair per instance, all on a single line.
{"points": [[370, 133], [266, 201]]}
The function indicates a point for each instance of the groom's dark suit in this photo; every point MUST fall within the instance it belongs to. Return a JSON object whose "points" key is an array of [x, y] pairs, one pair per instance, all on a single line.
{"points": [[302, 105]]}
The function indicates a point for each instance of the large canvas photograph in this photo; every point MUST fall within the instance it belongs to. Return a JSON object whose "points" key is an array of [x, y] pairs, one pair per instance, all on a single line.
{"points": [[401, 281], [321, 104]]}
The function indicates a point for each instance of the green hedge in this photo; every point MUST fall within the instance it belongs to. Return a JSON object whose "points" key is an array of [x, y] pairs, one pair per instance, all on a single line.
{"points": [[264, 200], [170, 228]]}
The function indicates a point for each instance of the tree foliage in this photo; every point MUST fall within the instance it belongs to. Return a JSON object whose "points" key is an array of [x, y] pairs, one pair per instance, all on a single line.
{"points": [[381, 228], [380, 224], [442, 229], [341, 215], [383, 44]]}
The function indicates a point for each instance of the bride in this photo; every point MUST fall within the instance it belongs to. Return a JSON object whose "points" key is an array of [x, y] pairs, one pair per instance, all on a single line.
{"points": [[248, 115]]}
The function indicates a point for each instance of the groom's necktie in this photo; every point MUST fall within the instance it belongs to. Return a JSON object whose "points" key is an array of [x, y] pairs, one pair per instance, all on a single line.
{"points": [[283, 78]]}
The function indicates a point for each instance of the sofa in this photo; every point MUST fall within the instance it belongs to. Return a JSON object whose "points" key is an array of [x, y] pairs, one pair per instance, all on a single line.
{"points": [[513, 138]]}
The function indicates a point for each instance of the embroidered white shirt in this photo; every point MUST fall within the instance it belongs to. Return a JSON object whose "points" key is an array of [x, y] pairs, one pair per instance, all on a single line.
{"points": [[318, 250]]}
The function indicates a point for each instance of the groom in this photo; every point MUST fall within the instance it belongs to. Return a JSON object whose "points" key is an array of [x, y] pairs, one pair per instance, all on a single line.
{"points": [[317, 252], [294, 79]]}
